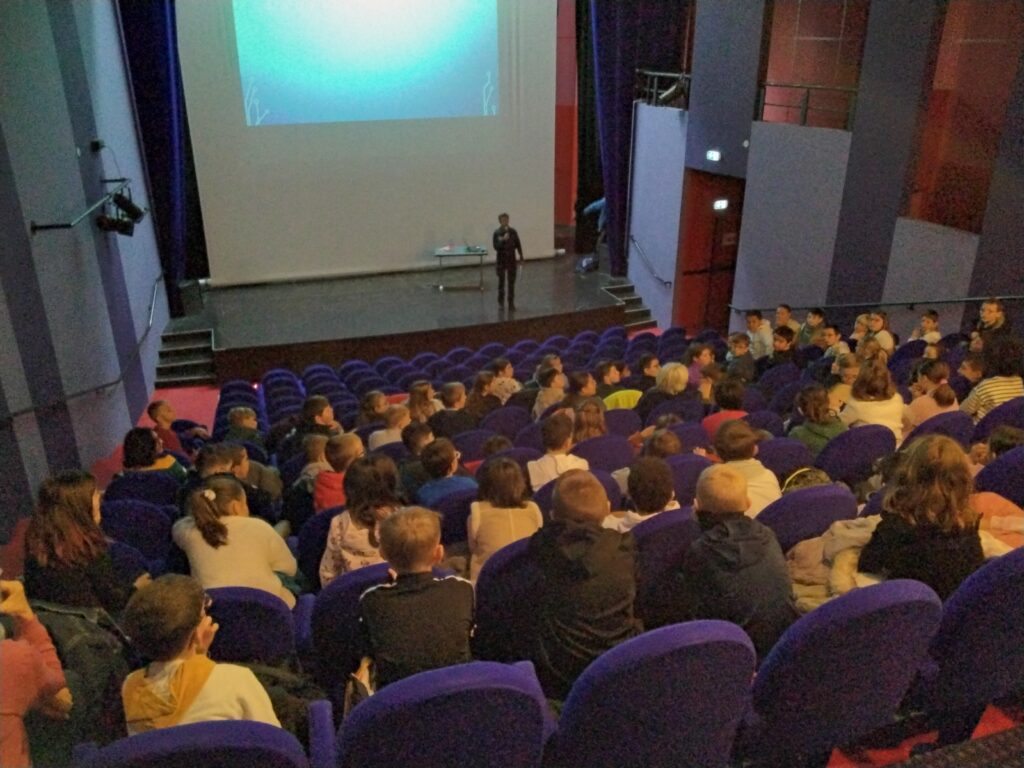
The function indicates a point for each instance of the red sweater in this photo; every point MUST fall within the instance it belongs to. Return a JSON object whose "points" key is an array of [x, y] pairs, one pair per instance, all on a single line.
{"points": [[170, 439], [29, 673], [329, 490], [715, 420]]}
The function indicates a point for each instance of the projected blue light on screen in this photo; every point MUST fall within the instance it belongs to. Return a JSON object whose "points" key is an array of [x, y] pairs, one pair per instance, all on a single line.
{"points": [[318, 61]]}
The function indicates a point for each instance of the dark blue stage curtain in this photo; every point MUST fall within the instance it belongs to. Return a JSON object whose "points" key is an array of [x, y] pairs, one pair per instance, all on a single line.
{"points": [[641, 34], [151, 48]]}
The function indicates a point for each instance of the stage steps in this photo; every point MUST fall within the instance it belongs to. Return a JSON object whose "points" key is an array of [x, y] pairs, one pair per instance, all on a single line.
{"points": [[186, 358], [638, 316]]}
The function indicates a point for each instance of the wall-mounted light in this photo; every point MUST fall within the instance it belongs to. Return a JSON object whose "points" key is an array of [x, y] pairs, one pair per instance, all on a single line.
{"points": [[721, 204], [127, 207], [713, 155]]}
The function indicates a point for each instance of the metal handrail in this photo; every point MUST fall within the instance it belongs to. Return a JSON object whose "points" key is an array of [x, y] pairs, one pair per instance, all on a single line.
{"points": [[647, 263], [121, 185], [805, 101], [650, 91], [909, 304], [99, 387]]}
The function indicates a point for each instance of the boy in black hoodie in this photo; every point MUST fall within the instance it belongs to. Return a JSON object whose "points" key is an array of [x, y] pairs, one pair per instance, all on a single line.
{"points": [[736, 570], [588, 584]]}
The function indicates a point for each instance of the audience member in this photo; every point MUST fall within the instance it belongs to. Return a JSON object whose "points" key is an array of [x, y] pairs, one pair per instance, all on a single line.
{"points": [[354, 539], [143, 451], [609, 378], [845, 370], [422, 403], [550, 360], [556, 432], [582, 387], [874, 400], [972, 368], [416, 622], [411, 474], [736, 444], [482, 399], [587, 585], [30, 675], [820, 423], [735, 571], [329, 488], [814, 323], [453, 419], [315, 448], [169, 626], [316, 418], [650, 487], [371, 408], [66, 556], [860, 330], [992, 321], [932, 395], [552, 383], [226, 547], [878, 329], [243, 426], [441, 462], [695, 358], [1003, 369], [760, 332], [928, 330], [740, 362], [728, 396], [784, 319], [259, 500], [928, 530], [396, 418], [163, 416], [589, 420], [502, 514], [649, 366], [505, 384], [671, 384], [833, 340], [496, 444]]}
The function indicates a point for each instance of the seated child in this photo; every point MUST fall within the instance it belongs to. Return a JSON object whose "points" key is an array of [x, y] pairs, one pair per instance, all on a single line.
{"points": [[736, 570], [417, 622], [651, 487], [587, 586], [728, 396], [928, 330], [783, 342], [163, 416], [371, 408], [315, 447], [228, 548], [441, 462], [329, 490], [556, 432], [244, 426], [736, 443], [354, 539], [411, 473], [820, 422], [453, 419], [169, 627], [740, 361], [396, 418], [143, 451], [552, 383], [502, 514], [505, 384]]}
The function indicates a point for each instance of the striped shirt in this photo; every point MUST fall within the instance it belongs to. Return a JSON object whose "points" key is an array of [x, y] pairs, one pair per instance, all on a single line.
{"points": [[990, 393]]}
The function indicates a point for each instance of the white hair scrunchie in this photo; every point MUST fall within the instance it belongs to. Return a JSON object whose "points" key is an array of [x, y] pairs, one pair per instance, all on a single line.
{"points": [[209, 495]]}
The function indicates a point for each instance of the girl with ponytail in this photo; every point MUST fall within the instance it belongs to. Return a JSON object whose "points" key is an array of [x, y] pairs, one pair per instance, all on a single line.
{"points": [[228, 548], [932, 395], [874, 399]]}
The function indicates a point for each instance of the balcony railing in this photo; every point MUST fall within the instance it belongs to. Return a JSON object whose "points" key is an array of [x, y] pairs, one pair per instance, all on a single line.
{"points": [[822, 106], [662, 89]]}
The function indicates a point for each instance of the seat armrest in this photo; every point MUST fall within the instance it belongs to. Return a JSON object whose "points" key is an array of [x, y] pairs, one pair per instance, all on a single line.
{"points": [[322, 737], [302, 620]]}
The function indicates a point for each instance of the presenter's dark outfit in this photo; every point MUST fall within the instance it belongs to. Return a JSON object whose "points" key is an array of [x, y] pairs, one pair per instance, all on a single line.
{"points": [[506, 245]]}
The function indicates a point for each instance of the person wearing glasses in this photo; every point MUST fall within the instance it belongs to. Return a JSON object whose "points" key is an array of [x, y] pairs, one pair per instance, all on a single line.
{"points": [[169, 625], [441, 462]]}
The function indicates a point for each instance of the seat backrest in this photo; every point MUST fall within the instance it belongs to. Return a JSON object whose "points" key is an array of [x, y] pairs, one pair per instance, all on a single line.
{"points": [[480, 713], [767, 420], [661, 543], [157, 488], [1004, 476], [837, 674], [808, 512], [955, 424], [783, 398], [622, 421], [506, 593], [784, 455], [454, 509], [521, 456], [978, 647], [217, 743], [849, 457], [690, 683], [313, 542], [542, 497], [471, 443], [753, 400], [607, 452], [686, 409], [255, 626], [1011, 412], [507, 420], [691, 435], [138, 524], [530, 437], [775, 378], [686, 468]]}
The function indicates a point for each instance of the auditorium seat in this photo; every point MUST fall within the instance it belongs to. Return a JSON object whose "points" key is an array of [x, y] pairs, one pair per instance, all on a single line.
{"points": [[850, 456], [1004, 476], [956, 425], [767, 420], [158, 488], [775, 378], [507, 420], [521, 456], [622, 421], [784, 455], [313, 542], [691, 435], [506, 593], [808, 512], [146, 527], [686, 468], [1011, 412], [661, 541], [454, 509], [255, 627], [671, 697], [687, 409]]}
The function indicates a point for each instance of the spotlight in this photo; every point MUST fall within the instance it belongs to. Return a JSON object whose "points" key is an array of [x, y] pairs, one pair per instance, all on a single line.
{"points": [[721, 204], [111, 224], [128, 208]]}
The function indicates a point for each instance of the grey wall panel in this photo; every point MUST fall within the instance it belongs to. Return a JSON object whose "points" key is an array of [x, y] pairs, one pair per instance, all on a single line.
{"points": [[928, 261], [656, 194], [794, 191]]}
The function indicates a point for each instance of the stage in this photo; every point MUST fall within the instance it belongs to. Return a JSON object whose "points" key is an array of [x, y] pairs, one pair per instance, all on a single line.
{"points": [[292, 325]]}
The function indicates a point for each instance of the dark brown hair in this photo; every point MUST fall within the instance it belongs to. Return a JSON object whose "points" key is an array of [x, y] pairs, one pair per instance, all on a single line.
{"points": [[813, 403], [207, 512], [437, 457], [874, 382], [62, 531], [502, 483], [161, 616], [555, 431], [736, 440], [650, 484], [369, 495], [937, 372]]}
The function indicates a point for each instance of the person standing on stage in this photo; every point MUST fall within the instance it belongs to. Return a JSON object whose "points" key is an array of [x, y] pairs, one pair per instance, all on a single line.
{"points": [[506, 245]]}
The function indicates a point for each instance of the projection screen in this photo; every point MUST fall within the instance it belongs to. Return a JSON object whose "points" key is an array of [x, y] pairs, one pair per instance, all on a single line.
{"points": [[343, 137]]}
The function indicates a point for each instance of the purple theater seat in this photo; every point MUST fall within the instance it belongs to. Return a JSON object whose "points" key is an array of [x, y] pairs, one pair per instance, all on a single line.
{"points": [[661, 543], [622, 421], [292, 468], [691, 435], [473, 714], [808, 512], [366, 430], [687, 687], [313, 542], [218, 744], [521, 456], [850, 456], [912, 350], [607, 452], [753, 400], [543, 496], [784, 397], [530, 437], [508, 420], [686, 468], [506, 593], [454, 509], [977, 654], [837, 674], [767, 420], [143, 526], [1004, 476], [471, 443], [687, 409], [255, 626], [157, 488], [775, 378], [397, 452], [784, 455], [1011, 412], [955, 424]]}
